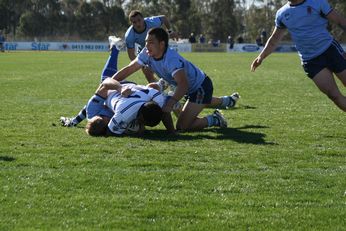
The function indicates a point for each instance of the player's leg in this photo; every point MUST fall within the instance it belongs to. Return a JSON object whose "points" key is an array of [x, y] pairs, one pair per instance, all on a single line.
{"points": [[98, 116], [320, 69], [337, 59], [224, 102], [342, 77], [188, 118], [325, 81], [111, 65]]}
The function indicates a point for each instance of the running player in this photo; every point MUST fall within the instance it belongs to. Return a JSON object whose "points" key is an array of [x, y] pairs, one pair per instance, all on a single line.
{"points": [[321, 55]]}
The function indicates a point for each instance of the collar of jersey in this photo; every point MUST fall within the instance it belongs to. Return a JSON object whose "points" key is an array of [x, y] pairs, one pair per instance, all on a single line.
{"points": [[163, 55], [145, 28], [298, 3]]}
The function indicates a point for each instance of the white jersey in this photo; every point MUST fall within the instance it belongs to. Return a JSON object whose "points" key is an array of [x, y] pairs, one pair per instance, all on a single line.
{"points": [[126, 108]]}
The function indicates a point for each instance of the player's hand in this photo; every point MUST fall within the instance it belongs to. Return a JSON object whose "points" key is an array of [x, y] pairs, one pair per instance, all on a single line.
{"points": [[125, 92], [167, 108], [256, 63]]}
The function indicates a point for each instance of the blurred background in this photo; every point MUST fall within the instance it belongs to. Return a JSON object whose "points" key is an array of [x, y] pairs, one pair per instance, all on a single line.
{"points": [[81, 20]]}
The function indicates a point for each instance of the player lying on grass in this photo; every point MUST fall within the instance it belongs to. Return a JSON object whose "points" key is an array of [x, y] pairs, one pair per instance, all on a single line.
{"points": [[188, 79], [109, 69], [321, 55], [125, 108]]}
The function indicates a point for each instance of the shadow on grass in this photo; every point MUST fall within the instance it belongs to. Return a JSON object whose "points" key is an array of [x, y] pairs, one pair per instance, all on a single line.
{"points": [[239, 135], [243, 106], [7, 158]]}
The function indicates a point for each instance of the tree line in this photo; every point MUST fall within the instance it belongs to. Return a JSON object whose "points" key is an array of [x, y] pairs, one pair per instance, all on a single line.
{"points": [[95, 20]]}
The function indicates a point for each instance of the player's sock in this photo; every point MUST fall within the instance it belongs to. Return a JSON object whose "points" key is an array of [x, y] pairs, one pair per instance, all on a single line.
{"points": [[80, 117], [217, 119], [111, 66], [213, 121], [227, 102]]}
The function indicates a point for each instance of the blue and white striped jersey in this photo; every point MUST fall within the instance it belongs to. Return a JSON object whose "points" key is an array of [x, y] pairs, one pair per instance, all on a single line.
{"points": [[126, 108]]}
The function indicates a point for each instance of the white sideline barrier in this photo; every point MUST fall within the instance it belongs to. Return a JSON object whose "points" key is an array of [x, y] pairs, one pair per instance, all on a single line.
{"points": [[76, 46], [103, 46], [57, 46]]}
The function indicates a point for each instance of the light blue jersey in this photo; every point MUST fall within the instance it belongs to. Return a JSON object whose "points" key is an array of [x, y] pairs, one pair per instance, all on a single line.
{"points": [[169, 64], [132, 37], [307, 24]]}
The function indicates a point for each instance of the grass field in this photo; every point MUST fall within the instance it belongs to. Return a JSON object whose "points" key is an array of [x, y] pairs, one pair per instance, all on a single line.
{"points": [[281, 164]]}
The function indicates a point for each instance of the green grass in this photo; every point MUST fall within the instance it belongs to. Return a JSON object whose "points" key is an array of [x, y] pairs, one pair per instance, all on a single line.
{"points": [[281, 164]]}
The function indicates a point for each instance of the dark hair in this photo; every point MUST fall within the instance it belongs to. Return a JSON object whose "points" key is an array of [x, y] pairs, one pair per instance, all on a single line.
{"points": [[160, 34], [152, 113], [134, 13]]}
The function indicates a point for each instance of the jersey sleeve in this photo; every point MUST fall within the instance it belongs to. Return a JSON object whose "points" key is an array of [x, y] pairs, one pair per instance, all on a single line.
{"points": [[155, 21], [143, 57], [278, 21], [325, 7], [117, 124], [130, 39], [157, 96], [175, 64]]}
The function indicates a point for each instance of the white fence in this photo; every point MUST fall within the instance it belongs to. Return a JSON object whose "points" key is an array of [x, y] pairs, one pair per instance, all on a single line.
{"points": [[103, 46]]}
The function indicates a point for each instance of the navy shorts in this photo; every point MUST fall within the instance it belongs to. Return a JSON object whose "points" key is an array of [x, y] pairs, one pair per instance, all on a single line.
{"points": [[332, 59], [204, 93]]}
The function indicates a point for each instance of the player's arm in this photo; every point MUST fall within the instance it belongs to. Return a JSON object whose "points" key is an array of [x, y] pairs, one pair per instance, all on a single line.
{"points": [[181, 90], [167, 25], [335, 17], [269, 48], [168, 122], [108, 84], [127, 71], [165, 22], [111, 84], [131, 53]]}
